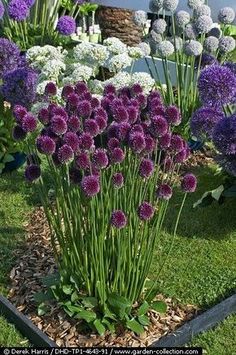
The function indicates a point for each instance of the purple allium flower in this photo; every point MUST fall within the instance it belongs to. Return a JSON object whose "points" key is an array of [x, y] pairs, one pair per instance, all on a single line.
{"points": [[87, 96], [136, 89], [75, 176], [118, 219], [137, 128], [113, 130], [146, 168], [29, 123], [224, 135], [74, 123], [106, 103], [142, 100], [134, 102], [9, 56], [58, 125], [91, 127], [150, 144], [66, 25], [66, 91], [180, 157], [182, 18], [18, 133], [65, 154], [71, 139], [120, 114], [193, 48], [159, 126], [137, 142], [19, 112], [204, 120], [19, 86], [18, 10], [84, 109], [82, 160], [203, 24], [173, 115], [90, 185], [80, 88], [226, 15], [59, 111], [118, 180], [95, 103], [73, 100], [43, 116], [205, 60], [176, 144], [145, 211], [46, 145], [155, 94], [157, 109], [51, 89], [189, 183], [117, 155], [164, 192], [100, 158], [123, 131], [109, 89], [32, 172], [86, 141], [102, 123], [164, 141], [133, 114], [231, 66], [2, 10], [217, 86], [159, 26], [113, 143]]}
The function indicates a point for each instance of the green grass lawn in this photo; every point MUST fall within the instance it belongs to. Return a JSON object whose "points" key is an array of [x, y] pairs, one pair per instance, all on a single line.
{"points": [[201, 269]]}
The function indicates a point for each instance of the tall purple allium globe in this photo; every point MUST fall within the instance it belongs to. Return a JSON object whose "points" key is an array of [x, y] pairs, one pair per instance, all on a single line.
{"points": [[71, 139], [100, 158], [58, 125], [51, 89], [217, 86], [85, 141], [117, 155], [137, 142], [118, 219], [189, 183], [32, 172], [164, 141], [204, 120], [9, 56], [66, 25], [46, 145], [145, 211], [159, 126], [74, 123], [84, 109], [29, 123], [224, 135], [65, 154], [231, 66], [118, 180], [146, 168], [177, 143], [19, 112], [18, 10], [164, 192], [82, 160], [19, 86], [173, 115], [113, 143], [90, 185], [91, 126], [2, 10], [43, 116]]}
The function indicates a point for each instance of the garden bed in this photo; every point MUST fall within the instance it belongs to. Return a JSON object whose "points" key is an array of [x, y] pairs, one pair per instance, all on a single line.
{"points": [[36, 261]]}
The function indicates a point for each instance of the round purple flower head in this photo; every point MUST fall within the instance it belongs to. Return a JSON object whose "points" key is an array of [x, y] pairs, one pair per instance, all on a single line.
{"points": [[181, 156], [58, 125], [173, 115], [189, 183], [145, 211], [81, 88], [204, 121], [159, 126], [19, 112], [71, 139], [32, 172], [109, 89], [65, 154], [91, 127], [84, 109], [150, 144], [217, 86], [90, 185], [86, 141], [18, 10], [46, 145], [66, 25], [18, 133], [164, 192], [82, 161], [43, 116], [113, 143], [9, 56], [137, 142], [74, 123], [51, 89], [118, 180], [224, 135], [73, 100], [177, 143], [100, 158], [146, 168], [66, 91], [118, 219], [136, 89], [29, 123], [117, 155], [164, 141]]}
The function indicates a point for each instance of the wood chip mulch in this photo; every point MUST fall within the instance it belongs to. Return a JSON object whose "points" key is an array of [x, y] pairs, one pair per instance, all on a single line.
{"points": [[35, 261]]}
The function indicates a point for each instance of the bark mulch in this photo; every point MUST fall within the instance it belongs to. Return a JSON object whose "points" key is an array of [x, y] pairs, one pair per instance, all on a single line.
{"points": [[36, 261]]}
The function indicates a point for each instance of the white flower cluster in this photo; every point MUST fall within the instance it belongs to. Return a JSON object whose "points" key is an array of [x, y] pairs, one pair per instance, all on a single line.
{"points": [[80, 73], [94, 54], [39, 56], [119, 62], [115, 45]]}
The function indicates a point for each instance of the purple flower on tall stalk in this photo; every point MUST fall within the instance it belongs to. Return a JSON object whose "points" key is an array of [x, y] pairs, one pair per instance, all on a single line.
{"points": [[176, 144], [66, 25], [9, 56], [74, 123], [204, 120], [43, 116], [109, 89], [118, 180], [66, 91], [29, 123], [145, 211], [137, 142], [118, 219], [82, 160], [146, 168], [58, 125], [117, 155], [91, 126], [217, 86], [18, 10], [165, 141], [224, 135], [90, 185], [84, 109], [85, 141], [100, 158], [164, 192], [113, 143], [65, 154], [19, 112], [159, 126], [173, 115], [51, 89], [80, 88], [32, 172], [46, 145], [71, 139], [189, 183]]}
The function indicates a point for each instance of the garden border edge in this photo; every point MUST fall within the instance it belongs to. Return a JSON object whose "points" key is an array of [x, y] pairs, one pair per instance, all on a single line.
{"points": [[24, 324], [205, 321]]}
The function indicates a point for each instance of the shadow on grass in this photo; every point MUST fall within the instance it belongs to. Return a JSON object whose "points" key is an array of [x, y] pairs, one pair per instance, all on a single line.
{"points": [[212, 222]]}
